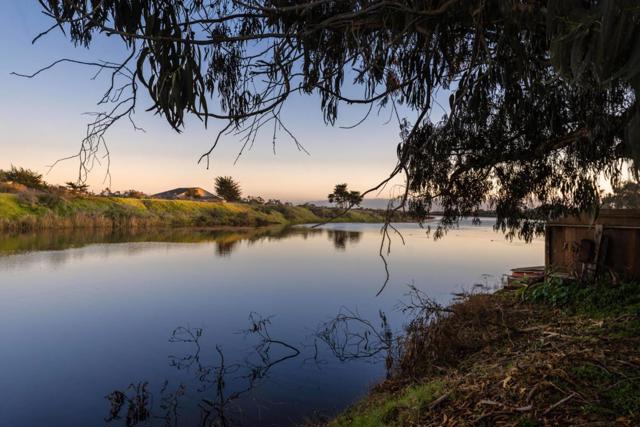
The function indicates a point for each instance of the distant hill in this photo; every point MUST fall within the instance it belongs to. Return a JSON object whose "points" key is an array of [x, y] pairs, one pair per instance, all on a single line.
{"points": [[188, 193]]}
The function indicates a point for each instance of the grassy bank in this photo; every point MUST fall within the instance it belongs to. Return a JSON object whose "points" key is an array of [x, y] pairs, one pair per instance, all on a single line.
{"points": [[20, 213], [552, 354]]}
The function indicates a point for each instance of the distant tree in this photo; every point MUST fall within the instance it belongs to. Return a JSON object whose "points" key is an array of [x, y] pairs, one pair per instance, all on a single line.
{"points": [[255, 200], [343, 198], [134, 194], [26, 177], [77, 188], [228, 189], [625, 196]]}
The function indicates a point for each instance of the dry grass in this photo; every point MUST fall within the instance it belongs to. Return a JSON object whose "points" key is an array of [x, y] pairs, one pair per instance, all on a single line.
{"points": [[446, 335], [499, 360]]}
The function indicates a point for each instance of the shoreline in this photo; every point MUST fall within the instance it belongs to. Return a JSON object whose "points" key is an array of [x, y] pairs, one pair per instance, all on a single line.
{"points": [[550, 354], [91, 212]]}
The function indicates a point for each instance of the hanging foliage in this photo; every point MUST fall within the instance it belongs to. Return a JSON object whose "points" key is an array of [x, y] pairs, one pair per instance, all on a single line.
{"points": [[542, 93]]}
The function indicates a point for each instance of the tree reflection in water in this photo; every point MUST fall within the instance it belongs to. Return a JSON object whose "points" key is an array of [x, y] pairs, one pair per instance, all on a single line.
{"points": [[341, 237], [225, 381], [347, 337], [226, 240], [134, 405]]}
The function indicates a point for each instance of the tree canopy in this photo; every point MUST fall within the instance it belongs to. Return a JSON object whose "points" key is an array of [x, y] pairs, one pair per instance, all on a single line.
{"points": [[77, 187], [228, 189], [26, 177], [343, 198], [625, 195], [543, 93]]}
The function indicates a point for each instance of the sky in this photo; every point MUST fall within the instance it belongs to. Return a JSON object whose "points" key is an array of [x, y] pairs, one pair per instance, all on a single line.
{"points": [[42, 120]]}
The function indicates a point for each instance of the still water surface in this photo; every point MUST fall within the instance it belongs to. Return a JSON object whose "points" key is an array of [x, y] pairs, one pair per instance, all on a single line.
{"points": [[155, 323]]}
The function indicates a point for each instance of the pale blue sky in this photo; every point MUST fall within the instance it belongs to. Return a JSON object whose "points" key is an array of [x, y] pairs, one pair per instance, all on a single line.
{"points": [[41, 120]]}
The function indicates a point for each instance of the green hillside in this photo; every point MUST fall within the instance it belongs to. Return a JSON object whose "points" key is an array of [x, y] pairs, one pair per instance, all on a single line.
{"points": [[18, 212]]}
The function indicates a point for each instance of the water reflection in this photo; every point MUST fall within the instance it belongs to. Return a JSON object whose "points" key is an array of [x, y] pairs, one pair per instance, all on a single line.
{"points": [[226, 238], [99, 319], [219, 382], [341, 238], [222, 383]]}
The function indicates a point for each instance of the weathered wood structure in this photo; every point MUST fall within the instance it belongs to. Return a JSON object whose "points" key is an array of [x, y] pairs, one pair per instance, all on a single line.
{"points": [[586, 246]]}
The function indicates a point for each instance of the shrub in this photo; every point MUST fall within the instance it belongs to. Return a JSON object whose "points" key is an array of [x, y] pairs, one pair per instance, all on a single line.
{"points": [[25, 177], [6, 187], [134, 194], [593, 299], [441, 336], [50, 199], [77, 188], [27, 198]]}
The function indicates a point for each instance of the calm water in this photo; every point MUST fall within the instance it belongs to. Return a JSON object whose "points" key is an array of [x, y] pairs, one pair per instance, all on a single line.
{"points": [[152, 323]]}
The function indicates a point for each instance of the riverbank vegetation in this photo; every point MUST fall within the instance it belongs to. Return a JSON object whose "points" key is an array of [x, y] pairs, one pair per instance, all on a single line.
{"points": [[552, 354], [31, 211], [28, 203]]}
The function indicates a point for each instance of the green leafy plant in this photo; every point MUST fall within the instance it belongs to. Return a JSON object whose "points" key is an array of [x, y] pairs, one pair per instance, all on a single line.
{"points": [[553, 292], [596, 299]]}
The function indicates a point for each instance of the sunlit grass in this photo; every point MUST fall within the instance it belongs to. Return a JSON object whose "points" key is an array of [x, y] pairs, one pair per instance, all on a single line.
{"points": [[10, 208], [34, 212]]}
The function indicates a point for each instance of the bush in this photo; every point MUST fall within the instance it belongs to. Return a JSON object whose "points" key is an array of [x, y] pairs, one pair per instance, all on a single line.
{"points": [[50, 199], [441, 336], [25, 177], [594, 299], [27, 198], [6, 187], [134, 194], [77, 188]]}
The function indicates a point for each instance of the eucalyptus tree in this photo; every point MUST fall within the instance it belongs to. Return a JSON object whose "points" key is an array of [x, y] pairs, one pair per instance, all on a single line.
{"points": [[542, 93], [625, 195]]}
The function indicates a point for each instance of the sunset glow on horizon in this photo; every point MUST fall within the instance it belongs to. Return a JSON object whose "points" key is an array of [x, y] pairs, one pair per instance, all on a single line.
{"points": [[44, 121]]}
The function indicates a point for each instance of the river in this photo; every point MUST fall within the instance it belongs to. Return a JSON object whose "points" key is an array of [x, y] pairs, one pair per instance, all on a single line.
{"points": [[192, 327]]}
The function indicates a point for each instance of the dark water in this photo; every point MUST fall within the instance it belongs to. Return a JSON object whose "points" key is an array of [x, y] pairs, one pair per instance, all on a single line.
{"points": [[155, 323]]}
